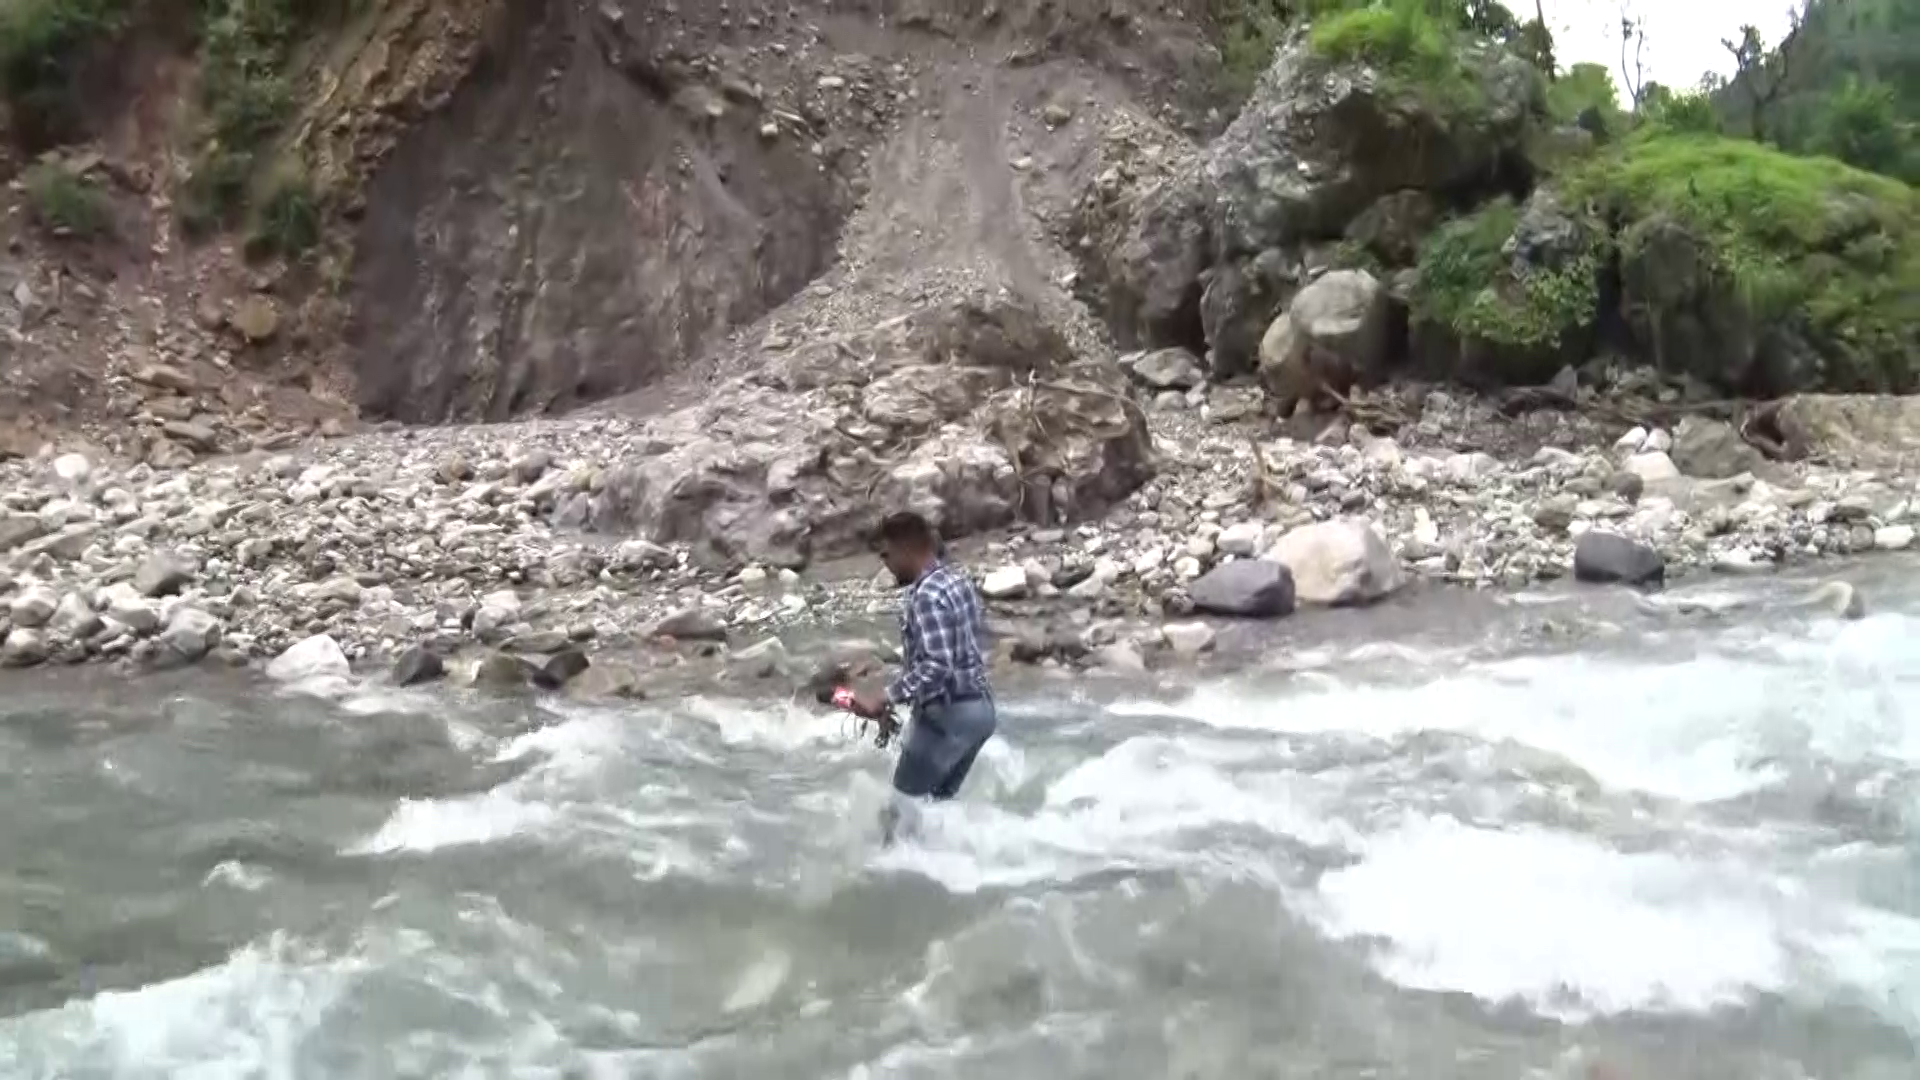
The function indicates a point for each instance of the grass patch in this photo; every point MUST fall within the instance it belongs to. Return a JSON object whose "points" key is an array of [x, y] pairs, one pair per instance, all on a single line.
{"points": [[1416, 52], [1467, 284], [67, 204], [43, 44]]}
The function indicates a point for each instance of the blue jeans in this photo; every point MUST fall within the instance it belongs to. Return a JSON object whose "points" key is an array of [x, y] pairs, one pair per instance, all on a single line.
{"points": [[943, 740]]}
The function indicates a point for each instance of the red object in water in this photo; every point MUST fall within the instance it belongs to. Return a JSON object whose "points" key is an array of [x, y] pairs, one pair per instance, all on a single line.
{"points": [[843, 697]]}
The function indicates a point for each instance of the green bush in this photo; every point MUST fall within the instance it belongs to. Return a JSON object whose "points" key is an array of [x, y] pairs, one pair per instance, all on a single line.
{"points": [[42, 46], [1828, 249], [287, 222], [1467, 284], [66, 203]]}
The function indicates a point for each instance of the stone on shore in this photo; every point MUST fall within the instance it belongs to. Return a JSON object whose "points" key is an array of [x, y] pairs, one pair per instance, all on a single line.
{"points": [[1006, 583], [1188, 639], [561, 668], [1893, 537], [1245, 588], [1606, 558], [418, 665], [317, 657], [190, 635], [692, 624], [163, 573], [34, 606], [23, 647], [1712, 450], [75, 618], [1340, 563], [125, 605], [1652, 467], [1166, 369]]}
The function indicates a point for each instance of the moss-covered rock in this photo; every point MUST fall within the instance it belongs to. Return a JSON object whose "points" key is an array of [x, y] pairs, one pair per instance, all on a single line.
{"points": [[1508, 294], [1760, 272]]}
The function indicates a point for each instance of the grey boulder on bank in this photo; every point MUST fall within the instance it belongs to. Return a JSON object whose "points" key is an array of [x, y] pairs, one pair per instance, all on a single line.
{"points": [[1605, 558], [1245, 588]]}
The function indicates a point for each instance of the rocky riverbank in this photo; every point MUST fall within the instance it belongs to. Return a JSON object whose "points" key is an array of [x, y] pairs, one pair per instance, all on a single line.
{"points": [[456, 542]]}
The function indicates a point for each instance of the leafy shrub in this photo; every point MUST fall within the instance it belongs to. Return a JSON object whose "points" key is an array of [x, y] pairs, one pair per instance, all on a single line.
{"points": [[66, 203]]}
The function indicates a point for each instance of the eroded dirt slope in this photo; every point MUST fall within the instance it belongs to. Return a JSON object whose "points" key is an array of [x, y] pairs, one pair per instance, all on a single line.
{"points": [[620, 186]]}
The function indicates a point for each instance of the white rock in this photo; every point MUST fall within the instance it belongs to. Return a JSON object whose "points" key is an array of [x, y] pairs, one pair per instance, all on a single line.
{"points": [[1006, 583], [753, 577], [1893, 538], [72, 468], [190, 633], [1653, 467], [124, 605], [1188, 638], [34, 606], [1632, 442], [1658, 441], [317, 657], [1242, 538], [1340, 562]]}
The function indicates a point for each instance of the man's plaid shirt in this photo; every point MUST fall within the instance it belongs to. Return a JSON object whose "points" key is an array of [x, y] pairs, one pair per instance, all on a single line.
{"points": [[943, 632]]}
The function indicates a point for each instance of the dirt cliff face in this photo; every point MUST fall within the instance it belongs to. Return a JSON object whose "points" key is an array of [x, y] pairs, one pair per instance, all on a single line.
{"points": [[618, 186]]}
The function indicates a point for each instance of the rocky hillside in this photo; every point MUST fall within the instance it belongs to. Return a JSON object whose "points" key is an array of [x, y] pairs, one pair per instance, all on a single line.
{"points": [[842, 254]]}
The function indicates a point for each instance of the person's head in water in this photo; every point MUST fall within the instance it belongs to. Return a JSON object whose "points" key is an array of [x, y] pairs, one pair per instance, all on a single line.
{"points": [[908, 545]]}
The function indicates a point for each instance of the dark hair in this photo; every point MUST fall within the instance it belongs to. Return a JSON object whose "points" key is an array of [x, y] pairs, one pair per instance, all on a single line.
{"points": [[908, 527]]}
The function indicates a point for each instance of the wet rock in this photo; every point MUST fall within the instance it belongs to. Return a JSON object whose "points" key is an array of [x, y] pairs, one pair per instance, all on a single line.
{"points": [[1247, 588], [1602, 557], [691, 624], [123, 604], [23, 647], [418, 665], [561, 668], [763, 659], [1188, 639], [316, 657], [501, 672], [606, 680], [1121, 657], [1338, 563], [1712, 450], [189, 636], [538, 642], [33, 607], [1839, 598], [163, 573]]}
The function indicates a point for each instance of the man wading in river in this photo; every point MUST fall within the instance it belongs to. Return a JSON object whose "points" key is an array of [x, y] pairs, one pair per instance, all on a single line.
{"points": [[943, 681]]}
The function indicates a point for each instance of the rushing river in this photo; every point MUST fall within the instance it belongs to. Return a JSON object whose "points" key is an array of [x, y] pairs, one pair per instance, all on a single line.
{"points": [[1687, 850]]}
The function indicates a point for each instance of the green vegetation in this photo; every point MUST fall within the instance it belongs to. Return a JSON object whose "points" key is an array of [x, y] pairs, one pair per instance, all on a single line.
{"points": [[67, 204], [1812, 243], [43, 48], [1416, 52], [1468, 284], [247, 50], [287, 221]]}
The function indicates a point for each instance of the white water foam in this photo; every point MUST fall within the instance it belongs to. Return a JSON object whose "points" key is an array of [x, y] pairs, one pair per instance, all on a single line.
{"points": [[1572, 927]]}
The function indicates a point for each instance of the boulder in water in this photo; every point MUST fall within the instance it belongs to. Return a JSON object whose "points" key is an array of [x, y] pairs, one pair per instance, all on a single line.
{"points": [[418, 665]]}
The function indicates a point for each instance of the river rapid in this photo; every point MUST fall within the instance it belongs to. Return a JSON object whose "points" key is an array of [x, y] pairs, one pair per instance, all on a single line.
{"points": [[1672, 846]]}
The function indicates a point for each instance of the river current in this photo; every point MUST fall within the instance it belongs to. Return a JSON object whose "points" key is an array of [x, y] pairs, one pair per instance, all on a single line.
{"points": [[1687, 848]]}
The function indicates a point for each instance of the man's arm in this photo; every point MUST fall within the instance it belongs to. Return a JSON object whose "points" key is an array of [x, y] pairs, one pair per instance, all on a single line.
{"points": [[931, 620]]}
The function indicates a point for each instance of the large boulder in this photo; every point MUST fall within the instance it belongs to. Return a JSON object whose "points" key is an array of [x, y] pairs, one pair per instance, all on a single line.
{"points": [[1340, 563], [1333, 335], [1323, 138], [1605, 558]]}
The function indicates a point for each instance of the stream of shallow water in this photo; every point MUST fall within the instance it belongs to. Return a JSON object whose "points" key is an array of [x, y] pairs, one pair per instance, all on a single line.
{"points": [[1690, 851]]}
